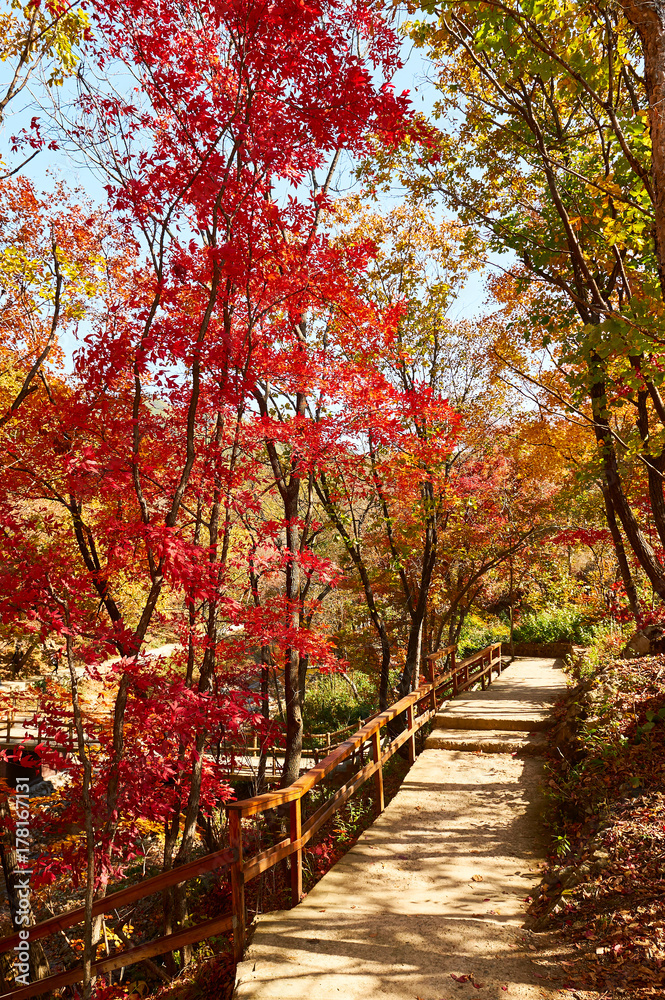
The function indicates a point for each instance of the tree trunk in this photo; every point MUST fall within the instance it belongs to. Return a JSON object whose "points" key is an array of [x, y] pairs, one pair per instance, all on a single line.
{"points": [[353, 547], [92, 926], [412, 662], [294, 727], [638, 542], [260, 786], [622, 559], [648, 18], [511, 598], [39, 967]]}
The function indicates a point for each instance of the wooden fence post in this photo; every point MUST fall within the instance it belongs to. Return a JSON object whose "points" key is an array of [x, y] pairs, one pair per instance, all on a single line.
{"points": [[411, 742], [296, 857], [237, 885], [432, 677], [378, 777]]}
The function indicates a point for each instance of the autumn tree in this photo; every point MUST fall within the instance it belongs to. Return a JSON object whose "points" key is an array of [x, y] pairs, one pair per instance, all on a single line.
{"points": [[126, 479], [425, 428], [544, 147]]}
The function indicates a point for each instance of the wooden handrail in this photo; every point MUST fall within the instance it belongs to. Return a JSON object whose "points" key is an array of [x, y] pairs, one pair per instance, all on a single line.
{"points": [[442, 652], [162, 945], [417, 708], [130, 894], [459, 677]]}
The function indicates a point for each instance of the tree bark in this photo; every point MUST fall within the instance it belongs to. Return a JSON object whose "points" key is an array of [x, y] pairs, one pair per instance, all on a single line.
{"points": [[638, 542], [294, 725], [288, 482], [91, 926], [39, 967], [648, 18], [622, 559]]}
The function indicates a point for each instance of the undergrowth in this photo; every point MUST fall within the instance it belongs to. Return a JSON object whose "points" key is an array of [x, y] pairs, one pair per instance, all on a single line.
{"points": [[331, 702], [556, 624], [477, 633], [603, 892]]}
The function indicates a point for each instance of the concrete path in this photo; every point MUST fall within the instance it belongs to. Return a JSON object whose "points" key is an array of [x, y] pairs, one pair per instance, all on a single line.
{"points": [[434, 891]]}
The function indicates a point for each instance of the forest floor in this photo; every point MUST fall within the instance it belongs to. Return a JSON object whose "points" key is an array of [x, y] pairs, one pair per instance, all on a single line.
{"points": [[600, 909]]}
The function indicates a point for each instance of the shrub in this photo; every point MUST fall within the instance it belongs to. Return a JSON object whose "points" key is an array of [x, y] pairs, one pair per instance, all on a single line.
{"points": [[330, 703], [477, 633], [556, 624]]}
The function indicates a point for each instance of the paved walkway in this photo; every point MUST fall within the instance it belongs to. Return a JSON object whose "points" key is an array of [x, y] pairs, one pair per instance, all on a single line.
{"points": [[435, 888]]}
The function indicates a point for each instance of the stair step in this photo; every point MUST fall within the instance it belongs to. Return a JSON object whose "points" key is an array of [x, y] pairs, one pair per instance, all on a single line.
{"points": [[527, 722], [487, 741]]}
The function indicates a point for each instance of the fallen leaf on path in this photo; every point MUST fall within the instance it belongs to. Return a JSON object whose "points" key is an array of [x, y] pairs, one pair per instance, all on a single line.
{"points": [[460, 979], [476, 878]]}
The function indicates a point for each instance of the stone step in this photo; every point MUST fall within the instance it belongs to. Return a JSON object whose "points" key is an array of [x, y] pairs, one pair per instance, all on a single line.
{"points": [[487, 741], [518, 722]]}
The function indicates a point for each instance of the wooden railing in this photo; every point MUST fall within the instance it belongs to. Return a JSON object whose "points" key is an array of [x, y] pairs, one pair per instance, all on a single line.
{"points": [[131, 894], [314, 745], [462, 675], [382, 735]]}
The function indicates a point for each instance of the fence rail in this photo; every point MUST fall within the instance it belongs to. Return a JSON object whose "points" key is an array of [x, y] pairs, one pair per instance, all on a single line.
{"points": [[412, 711]]}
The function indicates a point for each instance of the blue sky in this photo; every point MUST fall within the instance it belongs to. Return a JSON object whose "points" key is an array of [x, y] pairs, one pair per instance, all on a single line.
{"points": [[51, 166]]}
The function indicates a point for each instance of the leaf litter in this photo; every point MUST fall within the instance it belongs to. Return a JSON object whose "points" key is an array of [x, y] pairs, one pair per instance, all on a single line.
{"points": [[603, 892]]}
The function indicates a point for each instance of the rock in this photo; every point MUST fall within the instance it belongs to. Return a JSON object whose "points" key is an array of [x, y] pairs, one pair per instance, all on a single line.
{"points": [[41, 788], [640, 643]]}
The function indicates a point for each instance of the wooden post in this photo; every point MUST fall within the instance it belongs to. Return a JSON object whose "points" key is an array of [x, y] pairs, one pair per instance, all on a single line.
{"points": [[411, 742], [296, 857], [432, 677], [237, 885], [379, 804]]}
